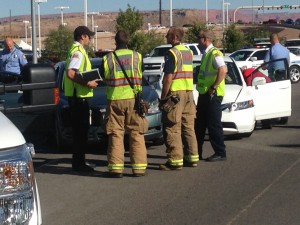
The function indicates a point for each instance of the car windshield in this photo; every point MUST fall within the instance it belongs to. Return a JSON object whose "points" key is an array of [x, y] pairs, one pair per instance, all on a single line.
{"points": [[158, 52], [241, 55], [295, 51]]}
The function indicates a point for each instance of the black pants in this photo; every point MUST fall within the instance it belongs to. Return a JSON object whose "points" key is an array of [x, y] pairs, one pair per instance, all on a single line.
{"points": [[209, 116], [80, 127]]}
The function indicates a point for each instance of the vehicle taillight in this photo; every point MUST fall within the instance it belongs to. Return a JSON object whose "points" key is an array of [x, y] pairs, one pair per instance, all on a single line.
{"points": [[56, 96]]}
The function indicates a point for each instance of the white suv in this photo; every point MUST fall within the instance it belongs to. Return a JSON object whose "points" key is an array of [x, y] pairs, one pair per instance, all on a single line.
{"points": [[154, 61]]}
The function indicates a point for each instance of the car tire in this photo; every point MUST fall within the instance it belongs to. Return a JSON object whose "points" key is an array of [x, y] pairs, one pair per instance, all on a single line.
{"points": [[158, 141], [283, 120], [295, 74], [266, 124]]}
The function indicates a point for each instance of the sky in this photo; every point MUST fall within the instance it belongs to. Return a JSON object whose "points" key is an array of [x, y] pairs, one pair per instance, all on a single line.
{"points": [[23, 7]]}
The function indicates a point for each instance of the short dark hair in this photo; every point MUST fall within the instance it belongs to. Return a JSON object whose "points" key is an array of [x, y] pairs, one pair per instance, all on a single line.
{"points": [[122, 37], [81, 30], [176, 31]]}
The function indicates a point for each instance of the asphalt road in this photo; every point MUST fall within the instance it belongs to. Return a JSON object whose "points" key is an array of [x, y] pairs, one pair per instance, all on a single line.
{"points": [[258, 185]]}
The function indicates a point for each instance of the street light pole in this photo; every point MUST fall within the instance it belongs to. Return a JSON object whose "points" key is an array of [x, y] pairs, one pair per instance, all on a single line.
{"points": [[171, 14], [39, 22], [227, 4], [62, 12], [33, 24], [26, 22], [85, 12], [96, 42], [93, 13], [223, 15], [206, 13]]}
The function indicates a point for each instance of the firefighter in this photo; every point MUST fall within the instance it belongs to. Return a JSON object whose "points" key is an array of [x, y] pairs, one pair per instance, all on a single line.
{"points": [[121, 115], [178, 106]]}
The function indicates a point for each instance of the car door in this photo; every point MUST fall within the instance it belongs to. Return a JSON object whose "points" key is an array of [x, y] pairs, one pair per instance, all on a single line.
{"points": [[271, 99]]}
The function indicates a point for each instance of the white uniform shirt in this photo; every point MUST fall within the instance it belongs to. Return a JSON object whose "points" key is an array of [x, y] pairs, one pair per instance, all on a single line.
{"points": [[76, 59], [218, 61]]}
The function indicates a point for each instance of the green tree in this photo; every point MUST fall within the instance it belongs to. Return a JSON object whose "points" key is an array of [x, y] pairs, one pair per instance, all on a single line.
{"points": [[58, 43], [192, 32], [145, 42], [234, 39], [130, 20], [255, 32]]}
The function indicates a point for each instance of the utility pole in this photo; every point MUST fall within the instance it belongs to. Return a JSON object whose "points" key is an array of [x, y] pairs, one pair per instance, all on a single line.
{"points": [[160, 22]]}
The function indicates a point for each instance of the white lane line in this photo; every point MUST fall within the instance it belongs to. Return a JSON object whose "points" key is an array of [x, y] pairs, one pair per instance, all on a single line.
{"points": [[257, 197]]}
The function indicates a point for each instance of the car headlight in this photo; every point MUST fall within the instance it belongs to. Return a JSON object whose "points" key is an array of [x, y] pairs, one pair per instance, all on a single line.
{"points": [[241, 105], [16, 185], [153, 107]]}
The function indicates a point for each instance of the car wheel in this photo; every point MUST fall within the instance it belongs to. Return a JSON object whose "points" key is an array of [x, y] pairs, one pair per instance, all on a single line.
{"points": [[158, 141], [266, 124], [283, 120], [295, 74]]}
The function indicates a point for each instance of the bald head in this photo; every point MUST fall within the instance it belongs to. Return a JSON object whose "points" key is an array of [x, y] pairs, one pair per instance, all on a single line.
{"points": [[9, 44], [274, 38]]}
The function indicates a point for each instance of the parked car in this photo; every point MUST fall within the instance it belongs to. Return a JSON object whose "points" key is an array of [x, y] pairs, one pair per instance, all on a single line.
{"points": [[292, 42], [297, 22], [266, 44], [63, 132], [295, 50], [20, 202], [19, 195], [253, 57], [244, 105], [154, 62], [289, 21]]}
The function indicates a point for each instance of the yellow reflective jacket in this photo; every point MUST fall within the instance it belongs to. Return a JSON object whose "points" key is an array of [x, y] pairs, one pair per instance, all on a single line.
{"points": [[208, 74], [182, 78], [70, 87], [117, 84]]}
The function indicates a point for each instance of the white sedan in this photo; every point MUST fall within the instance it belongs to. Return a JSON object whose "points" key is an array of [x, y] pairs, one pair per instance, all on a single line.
{"points": [[244, 105], [254, 57]]}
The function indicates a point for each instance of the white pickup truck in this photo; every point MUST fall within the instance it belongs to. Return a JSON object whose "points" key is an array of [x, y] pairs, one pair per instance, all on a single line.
{"points": [[33, 91], [19, 196], [154, 63]]}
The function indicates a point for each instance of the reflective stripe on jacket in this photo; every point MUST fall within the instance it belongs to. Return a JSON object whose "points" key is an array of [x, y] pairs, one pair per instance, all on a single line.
{"points": [[70, 87], [182, 78], [208, 74], [117, 84]]}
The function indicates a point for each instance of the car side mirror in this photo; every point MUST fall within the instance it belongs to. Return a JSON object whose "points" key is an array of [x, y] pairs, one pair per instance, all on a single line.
{"points": [[253, 59], [147, 55]]}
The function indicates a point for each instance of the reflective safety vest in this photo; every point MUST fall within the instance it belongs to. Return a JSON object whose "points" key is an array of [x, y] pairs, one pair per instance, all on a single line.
{"points": [[70, 87], [182, 78], [208, 74], [117, 84]]}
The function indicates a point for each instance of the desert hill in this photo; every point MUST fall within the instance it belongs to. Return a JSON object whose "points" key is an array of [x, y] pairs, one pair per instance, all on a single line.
{"points": [[14, 26]]}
